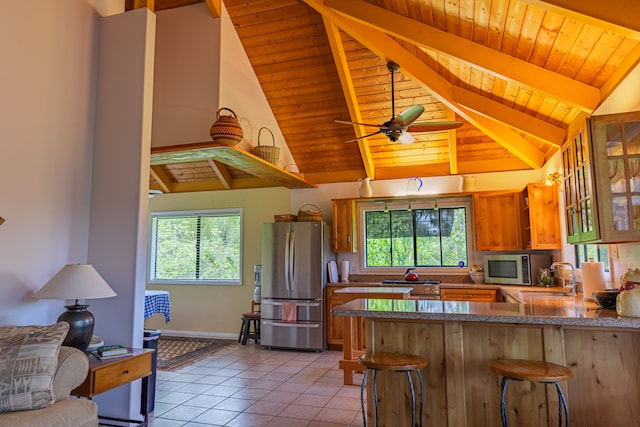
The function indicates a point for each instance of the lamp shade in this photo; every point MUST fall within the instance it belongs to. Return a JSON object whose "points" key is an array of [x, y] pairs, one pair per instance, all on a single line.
{"points": [[76, 281]]}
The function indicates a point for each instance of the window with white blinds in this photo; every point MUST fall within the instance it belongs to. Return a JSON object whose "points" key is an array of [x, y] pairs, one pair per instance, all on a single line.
{"points": [[196, 247]]}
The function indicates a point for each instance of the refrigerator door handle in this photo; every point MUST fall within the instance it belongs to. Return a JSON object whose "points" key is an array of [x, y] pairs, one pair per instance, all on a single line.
{"points": [[298, 304], [291, 325], [292, 259], [287, 261]]}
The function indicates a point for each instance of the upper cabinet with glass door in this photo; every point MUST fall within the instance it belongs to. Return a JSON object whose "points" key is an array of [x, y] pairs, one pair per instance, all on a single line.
{"points": [[616, 146], [581, 216]]}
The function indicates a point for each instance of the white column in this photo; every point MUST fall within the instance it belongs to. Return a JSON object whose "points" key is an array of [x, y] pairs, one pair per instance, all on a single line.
{"points": [[119, 202]]}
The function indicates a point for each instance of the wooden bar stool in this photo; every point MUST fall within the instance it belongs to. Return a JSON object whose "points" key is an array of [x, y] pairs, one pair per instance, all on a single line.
{"points": [[536, 371], [250, 328], [397, 362]]}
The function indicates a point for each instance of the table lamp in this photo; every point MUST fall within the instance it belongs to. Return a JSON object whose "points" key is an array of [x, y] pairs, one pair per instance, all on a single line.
{"points": [[76, 282]]}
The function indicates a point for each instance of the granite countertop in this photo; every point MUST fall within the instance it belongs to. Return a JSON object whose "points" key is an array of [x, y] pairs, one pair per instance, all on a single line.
{"points": [[374, 290], [549, 307]]}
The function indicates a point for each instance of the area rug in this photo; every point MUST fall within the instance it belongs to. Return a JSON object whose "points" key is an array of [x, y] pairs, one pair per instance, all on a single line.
{"points": [[176, 352]]}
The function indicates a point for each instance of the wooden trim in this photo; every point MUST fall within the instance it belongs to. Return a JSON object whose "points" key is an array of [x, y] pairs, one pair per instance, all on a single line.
{"points": [[340, 59]]}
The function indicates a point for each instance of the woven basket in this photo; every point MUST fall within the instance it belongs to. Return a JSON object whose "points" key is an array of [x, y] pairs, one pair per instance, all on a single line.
{"points": [[226, 129], [309, 214], [285, 218], [270, 153]]}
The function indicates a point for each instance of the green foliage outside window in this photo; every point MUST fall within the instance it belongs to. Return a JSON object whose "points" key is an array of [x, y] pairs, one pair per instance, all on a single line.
{"points": [[416, 238], [196, 247], [598, 253]]}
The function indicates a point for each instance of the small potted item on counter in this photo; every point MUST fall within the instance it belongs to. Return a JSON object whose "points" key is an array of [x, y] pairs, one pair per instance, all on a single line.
{"points": [[477, 274]]}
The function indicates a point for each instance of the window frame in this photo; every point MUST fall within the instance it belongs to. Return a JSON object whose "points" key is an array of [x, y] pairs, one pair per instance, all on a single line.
{"points": [[418, 203], [201, 212], [608, 274]]}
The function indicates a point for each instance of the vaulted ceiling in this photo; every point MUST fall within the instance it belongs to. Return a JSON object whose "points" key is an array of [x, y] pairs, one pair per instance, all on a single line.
{"points": [[516, 73]]}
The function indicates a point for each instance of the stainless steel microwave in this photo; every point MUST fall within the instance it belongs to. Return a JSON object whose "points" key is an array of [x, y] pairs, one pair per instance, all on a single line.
{"points": [[515, 269]]}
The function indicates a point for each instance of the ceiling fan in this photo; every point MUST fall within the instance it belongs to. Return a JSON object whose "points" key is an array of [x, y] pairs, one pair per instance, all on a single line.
{"points": [[398, 127]]}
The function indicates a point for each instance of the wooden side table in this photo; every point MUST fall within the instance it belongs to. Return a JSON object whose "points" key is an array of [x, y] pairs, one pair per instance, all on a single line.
{"points": [[107, 374]]}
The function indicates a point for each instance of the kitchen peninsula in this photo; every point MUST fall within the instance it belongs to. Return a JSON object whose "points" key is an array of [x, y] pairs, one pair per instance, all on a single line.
{"points": [[461, 338]]}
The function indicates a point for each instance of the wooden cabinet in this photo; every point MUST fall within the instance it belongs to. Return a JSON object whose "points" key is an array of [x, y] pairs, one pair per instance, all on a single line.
{"points": [[334, 323], [469, 294], [497, 221], [603, 158], [580, 214], [540, 219], [616, 148], [344, 226]]}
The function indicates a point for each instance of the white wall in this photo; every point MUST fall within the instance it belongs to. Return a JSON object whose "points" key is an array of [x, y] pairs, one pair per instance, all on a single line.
{"points": [[200, 67], [215, 310], [241, 91], [187, 75], [47, 80]]}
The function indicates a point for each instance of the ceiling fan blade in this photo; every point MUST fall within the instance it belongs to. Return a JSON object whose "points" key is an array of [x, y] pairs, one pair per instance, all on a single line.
{"points": [[355, 123], [433, 126], [406, 138], [364, 136], [409, 115]]}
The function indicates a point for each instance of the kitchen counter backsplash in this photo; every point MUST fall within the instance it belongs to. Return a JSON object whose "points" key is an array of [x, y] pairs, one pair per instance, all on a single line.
{"points": [[372, 278]]}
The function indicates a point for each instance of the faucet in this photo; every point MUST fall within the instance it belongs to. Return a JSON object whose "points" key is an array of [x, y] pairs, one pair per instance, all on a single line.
{"points": [[572, 284]]}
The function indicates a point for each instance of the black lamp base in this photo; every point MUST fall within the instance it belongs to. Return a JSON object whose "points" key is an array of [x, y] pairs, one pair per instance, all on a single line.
{"points": [[80, 322]]}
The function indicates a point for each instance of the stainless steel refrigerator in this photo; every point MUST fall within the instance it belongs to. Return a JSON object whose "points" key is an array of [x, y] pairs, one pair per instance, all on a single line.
{"points": [[294, 274]]}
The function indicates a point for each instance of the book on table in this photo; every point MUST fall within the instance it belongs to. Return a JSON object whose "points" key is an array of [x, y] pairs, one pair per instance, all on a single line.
{"points": [[113, 356], [112, 350]]}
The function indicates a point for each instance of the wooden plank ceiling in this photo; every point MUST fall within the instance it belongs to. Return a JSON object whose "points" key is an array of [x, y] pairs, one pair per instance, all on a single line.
{"points": [[516, 73]]}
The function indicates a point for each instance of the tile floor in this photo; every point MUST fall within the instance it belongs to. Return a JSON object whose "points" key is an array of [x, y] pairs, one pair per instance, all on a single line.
{"points": [[251, 386]]}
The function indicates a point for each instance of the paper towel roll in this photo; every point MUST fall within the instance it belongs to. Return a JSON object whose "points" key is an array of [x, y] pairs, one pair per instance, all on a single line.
{"points": [[592, 278], [344, 271]]}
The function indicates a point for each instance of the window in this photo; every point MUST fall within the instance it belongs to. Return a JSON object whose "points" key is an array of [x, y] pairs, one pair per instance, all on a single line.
{"points": [[196, 247], [599, 253], [416, 237]]}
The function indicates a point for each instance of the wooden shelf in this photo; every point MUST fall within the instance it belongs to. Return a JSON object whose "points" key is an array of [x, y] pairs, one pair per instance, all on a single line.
{"points": [[230, 156]]}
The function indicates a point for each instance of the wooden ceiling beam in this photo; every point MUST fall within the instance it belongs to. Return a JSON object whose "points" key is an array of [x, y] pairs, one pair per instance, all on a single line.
{"points": [[544, 131], [222, 172], [557, 86], [617, 16], [215, 8], [162, 178], [385, 47], [340, 59], [621, 72], [453, 146], [139, 4]]}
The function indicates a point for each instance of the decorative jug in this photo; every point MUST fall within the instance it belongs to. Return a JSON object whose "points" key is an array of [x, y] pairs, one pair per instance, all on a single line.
{"points": [[414, 185], [364, 187], [226, 129]]}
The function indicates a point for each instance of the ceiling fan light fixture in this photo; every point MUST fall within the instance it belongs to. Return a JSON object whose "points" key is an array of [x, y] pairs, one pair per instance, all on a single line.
{"points": [[406, 138], [402, 124]]}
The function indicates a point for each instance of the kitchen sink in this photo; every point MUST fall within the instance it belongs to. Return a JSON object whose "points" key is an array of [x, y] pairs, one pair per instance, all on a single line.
{"points": [[546, 294]]}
